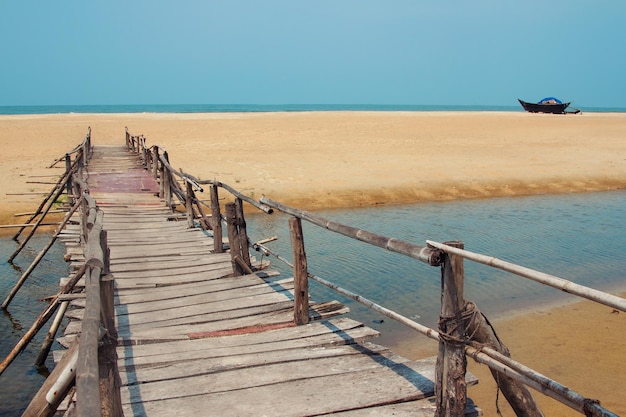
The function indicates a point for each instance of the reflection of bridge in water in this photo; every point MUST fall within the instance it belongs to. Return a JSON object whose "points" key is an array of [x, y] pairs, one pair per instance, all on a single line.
{"points": [[176, 320]]}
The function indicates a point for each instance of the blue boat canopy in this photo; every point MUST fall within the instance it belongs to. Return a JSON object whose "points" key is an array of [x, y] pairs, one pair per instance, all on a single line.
{"points": [[550, 100]]}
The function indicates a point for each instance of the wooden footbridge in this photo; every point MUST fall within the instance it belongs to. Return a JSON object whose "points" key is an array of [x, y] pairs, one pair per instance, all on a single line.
{"points": [[171, 318], [196, 340]]}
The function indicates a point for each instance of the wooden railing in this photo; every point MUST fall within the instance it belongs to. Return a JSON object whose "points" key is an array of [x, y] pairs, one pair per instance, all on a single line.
{"points": [[463, 330], [90, 364]]}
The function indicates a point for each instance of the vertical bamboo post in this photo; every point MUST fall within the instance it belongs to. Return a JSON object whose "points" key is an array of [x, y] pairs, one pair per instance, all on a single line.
{"points": [[300, 273], [127, 138], [167, 182], [167, 190], [155, 161], [216, 217], [142, 148], [49, 339], [68, 185], [162, 180], [450, 387], [189, 194], [243, 234], [205, 223], [233, 238]]}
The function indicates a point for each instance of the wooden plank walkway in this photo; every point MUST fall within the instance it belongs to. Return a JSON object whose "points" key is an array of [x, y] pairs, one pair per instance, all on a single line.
{"points": [[195, 341]]}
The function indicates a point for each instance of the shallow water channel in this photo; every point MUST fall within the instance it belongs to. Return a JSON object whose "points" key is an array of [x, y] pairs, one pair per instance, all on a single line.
{"points": [[578, 237]]}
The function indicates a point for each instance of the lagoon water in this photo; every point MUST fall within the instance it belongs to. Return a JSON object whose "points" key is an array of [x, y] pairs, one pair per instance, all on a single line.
{"points": [[579, 237]]}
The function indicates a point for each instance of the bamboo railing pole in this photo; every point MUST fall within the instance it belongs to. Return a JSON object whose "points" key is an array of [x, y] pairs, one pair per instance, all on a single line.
{"points": [[56, 386], [87, 372], [39, 257], [87, 369], [300, 274], [450, 385], [550, 280], [427, 255], [216, 217]]}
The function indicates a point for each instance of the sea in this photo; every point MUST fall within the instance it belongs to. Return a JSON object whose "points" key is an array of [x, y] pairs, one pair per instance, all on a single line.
{"points": [[578, 237], [256, 108]]}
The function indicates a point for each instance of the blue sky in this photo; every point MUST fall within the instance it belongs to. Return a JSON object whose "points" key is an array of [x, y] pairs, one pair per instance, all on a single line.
{"points": [[481, 52]]}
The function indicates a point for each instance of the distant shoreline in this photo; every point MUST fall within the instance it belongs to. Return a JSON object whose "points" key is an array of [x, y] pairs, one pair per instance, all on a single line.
{"points": [[267, 108]]}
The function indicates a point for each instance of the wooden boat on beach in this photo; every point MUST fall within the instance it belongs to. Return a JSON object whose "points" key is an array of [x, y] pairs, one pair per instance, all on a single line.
{"points": [[547, 105]]}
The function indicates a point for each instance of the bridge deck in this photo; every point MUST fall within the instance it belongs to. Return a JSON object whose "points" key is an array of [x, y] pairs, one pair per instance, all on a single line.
{"points": [[195, 341]]}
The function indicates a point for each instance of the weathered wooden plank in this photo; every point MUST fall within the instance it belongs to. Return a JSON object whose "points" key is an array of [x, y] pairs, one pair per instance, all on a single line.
{"points": [[220, 300], [176, 277], [305, 364], [359, 389], [213, 365], [325, 332], [177, 308], [132, 296], [232, 320]]}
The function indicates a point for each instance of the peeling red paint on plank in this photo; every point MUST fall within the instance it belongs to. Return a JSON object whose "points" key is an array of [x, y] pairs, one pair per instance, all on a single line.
{"points": [[242, 330]]}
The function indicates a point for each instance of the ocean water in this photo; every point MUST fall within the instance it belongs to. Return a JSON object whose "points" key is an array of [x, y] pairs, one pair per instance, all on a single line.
{"points": [[579, 237], [247, 108]]}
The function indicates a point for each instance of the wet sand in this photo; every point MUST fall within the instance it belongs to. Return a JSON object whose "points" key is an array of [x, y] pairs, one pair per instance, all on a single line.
{"points": [[350, 159]]}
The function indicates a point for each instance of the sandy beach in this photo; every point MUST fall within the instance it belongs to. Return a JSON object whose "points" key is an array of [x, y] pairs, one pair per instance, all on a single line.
{"points": [[349, 159]]}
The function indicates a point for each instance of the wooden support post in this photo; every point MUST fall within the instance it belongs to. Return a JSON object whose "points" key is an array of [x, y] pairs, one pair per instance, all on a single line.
{"points": [[65, 180], [39, 257], [155, 161], [167, 183], [106, 269], [50, 201], [243, 234], [189, 197], [47, 343], [216, 217], [233, 238], [205, 222], [68, 185], [450, 386], [300, 273], [167, 189], [518, 396], [162, 181], [142, 149]]}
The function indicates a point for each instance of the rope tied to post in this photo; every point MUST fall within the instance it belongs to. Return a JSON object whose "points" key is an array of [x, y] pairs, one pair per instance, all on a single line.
{"points": [[448, 326]]}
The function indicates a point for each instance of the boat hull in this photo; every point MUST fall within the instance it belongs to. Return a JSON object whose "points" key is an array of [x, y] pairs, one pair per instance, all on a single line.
{"points": [[557, 108]]}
